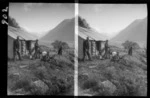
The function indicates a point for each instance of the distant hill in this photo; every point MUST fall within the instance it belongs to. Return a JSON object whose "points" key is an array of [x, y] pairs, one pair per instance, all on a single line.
{"points": [[64, 31], [136, 31]]}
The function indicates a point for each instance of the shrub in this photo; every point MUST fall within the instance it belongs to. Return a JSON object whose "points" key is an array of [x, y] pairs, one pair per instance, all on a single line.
{"points": [[127, 44], [57, 44], [90, 83], [13, 22], [127, 86], [83, 23], [57, 84], [24, 86], [36, 91], [57, 77]]}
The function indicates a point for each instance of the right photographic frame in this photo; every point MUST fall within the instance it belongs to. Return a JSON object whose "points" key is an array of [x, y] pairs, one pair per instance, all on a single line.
{"points": [[112, 49]]}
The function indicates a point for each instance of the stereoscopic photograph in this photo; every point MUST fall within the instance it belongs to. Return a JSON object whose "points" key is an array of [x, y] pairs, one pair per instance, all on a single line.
{"points": [[40, 49], [112, 50], [77, 49]]}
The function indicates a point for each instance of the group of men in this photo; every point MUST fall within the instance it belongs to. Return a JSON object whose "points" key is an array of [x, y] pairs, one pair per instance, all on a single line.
{"points": [[37, 53], [86, 49], [17, 50]]}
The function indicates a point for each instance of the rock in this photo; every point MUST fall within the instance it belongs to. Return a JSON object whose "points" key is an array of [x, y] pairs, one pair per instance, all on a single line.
{"points": [[110, 86], [86, 92], [16, 74], [9, 92], [144, 60], [83, 76], [142, 91], [23, 66], [93, 66], [16, 92], [87, 95], [41, 85], [20, 92]]}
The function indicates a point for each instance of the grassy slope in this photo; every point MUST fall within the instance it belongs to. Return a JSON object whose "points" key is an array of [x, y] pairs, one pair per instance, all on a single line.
{"points": [[129, 75], [56, 76]]}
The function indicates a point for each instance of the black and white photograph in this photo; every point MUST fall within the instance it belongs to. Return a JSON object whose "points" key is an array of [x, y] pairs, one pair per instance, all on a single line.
{"points": [[112, 50], [40, 49], [76, 49]]}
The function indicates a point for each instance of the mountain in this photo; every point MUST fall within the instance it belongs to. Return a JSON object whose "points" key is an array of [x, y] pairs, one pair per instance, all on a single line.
{"points": [[136, 31], [34, 34], [64, 31], [38, 34]]}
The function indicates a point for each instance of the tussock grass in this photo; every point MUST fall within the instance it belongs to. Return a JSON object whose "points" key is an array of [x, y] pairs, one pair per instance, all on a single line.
{"points": [[57, 77], [129, 75]]}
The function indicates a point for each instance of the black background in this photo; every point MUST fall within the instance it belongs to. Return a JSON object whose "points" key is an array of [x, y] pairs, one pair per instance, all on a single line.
{"points": [[3, 31]]}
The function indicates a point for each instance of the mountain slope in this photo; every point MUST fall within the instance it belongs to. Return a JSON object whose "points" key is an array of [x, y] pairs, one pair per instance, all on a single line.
{"points": [[63, 32], [136, 31]]}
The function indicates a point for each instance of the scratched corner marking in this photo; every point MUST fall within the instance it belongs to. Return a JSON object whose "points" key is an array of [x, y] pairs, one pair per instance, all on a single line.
{"points": [[4, 16]]}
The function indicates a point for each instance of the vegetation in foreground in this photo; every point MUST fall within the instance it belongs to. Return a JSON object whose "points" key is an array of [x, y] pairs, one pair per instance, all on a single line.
{"points": [[127, 77], [34, 77]]}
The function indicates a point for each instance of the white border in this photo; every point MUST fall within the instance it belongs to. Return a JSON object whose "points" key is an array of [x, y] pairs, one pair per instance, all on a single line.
{"points": [[76, 52]]}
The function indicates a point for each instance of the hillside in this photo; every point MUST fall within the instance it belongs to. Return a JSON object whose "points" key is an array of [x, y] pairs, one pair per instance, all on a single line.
{"points": [[64, 31], [136, 31], [125, 77], [35, 77], [86, 30], [14, 32]]}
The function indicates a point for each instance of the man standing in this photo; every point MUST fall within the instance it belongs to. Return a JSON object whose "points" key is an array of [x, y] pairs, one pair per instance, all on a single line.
{"points": [[60, 50], [36, 46], [106, 49], [17, 48], [130, 51], [86, 48]]}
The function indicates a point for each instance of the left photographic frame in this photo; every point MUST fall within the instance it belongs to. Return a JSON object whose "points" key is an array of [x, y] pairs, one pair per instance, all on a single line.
{"points": [[40, 42]]}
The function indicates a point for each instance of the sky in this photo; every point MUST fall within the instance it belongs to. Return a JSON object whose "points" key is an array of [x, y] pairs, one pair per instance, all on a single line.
{"points": [[40, 17], [108, 19], [111, 18]]}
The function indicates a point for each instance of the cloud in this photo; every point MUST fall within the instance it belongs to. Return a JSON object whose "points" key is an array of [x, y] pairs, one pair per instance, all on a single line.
{"points": [[100, 7], [29, 6], [67, 5]]}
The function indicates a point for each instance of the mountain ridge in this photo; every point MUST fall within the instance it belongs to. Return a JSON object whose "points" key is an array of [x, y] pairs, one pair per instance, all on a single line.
{"points": [[64, 31], [136, 31]]}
